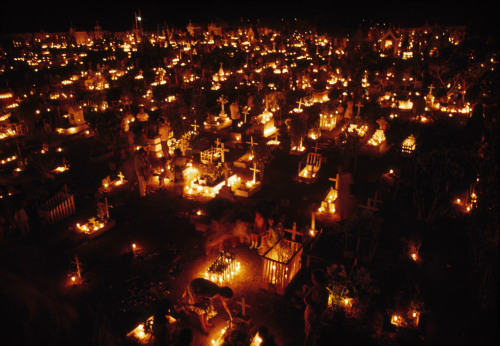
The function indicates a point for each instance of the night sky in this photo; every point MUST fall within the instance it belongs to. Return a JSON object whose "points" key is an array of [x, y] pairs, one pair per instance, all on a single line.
{"points": [[56, 16]]}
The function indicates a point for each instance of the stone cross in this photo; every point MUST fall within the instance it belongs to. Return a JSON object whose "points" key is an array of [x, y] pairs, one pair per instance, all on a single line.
{"points": [[359, 105], [243, 306], [222, 102], [255, 170]]}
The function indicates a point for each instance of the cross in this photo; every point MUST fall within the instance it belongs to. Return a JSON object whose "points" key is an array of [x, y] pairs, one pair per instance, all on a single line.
{"points": [[316, 147], [294, 231], [430, 89], [243, 306], [245, 113], [300, 103], [195, 126], [222, 102], [222, 150], [336, 180], [217, 143], [255, 170], [78, 270], [121, 176], [359, 105], [251, 143], [225, 173]]}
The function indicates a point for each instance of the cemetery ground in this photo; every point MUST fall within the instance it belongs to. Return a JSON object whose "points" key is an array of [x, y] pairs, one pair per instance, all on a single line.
{"points": [[120, 290]]}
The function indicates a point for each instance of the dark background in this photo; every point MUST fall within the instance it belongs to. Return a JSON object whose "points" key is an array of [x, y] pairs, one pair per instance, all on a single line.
{"points": [[57, 16]]}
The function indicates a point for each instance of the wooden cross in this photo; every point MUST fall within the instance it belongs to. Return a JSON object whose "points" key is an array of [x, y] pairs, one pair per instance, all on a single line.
{"points": [[217, 143], [430, 89], [300, 103], [222, 150], [359, 105], [371, 204], [316, 147], [243, 306], [222, 102], [245, 113], [294, 231], [336, 180], [251, 143], [78, 270], [255, 170], [195, 126], [121, 176]]}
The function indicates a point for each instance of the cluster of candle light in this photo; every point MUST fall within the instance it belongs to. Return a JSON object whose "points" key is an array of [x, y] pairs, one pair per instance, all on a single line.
{"points": [[361, 130], [408, 145], [377, 138], [223, 269], [411, 320], [92, 226], [9, 159], [328, 204]]}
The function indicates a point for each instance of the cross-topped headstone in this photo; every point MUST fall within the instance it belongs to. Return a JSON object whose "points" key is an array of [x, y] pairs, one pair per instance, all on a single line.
{"points": [[255, 170], [359, 105], [243, 306], [222, 102]]}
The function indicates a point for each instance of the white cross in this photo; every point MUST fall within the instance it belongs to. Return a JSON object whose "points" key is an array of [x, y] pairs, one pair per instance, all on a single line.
{"points": [[255, 170], [195, 126], [243, 306], [359, 105]]}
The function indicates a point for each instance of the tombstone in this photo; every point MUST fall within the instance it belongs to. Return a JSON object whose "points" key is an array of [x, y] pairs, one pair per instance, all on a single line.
{"points": [[235, 112]]}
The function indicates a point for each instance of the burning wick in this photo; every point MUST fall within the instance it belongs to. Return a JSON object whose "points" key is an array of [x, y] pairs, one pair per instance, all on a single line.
{"points": [[414, 256], [391, 171], [73, 279]]}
